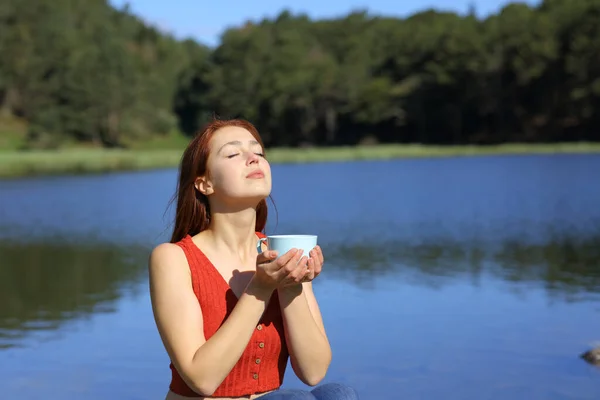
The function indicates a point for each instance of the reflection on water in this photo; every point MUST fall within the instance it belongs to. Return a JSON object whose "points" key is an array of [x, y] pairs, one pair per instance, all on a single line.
{"points": [[563, 265], [42, 285]]}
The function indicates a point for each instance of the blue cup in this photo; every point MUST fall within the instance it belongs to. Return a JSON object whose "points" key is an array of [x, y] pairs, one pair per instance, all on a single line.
{"points": [[284, 243]]}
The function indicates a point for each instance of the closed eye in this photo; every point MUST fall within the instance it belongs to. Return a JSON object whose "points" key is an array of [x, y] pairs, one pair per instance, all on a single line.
{"points": [[260, 154], [232, 155]]}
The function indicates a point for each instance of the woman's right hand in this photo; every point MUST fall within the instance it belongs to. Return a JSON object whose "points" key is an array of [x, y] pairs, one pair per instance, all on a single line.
{"points": [[273, 272]]}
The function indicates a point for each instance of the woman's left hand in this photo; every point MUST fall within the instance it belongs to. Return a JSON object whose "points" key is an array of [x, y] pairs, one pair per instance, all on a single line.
{"points": [[314, 265]]}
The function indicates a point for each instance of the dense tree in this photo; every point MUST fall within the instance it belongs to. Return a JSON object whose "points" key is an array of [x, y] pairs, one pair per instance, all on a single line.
{"points": [[82, 71]]}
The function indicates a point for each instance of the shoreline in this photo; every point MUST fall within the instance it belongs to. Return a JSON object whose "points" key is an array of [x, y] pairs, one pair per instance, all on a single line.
{"points": [[78, 161]]}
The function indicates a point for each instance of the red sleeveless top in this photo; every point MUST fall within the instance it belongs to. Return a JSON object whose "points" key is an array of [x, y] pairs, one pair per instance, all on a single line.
{"points": [[262, 365]]}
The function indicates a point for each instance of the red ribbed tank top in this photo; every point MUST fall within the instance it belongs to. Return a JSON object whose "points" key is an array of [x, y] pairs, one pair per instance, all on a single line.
{"points": [[262, 365]]}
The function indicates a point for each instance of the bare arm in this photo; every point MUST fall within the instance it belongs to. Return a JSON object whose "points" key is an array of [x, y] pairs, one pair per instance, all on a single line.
{"points": [[310, 353], [203, 364]]}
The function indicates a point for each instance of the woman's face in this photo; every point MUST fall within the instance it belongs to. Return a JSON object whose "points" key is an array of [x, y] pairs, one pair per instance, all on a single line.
{"points": [[237, 169]]}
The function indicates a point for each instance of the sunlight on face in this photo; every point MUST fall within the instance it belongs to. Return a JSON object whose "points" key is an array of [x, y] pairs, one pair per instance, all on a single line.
{"points": [[233, 140], [237, 167]]}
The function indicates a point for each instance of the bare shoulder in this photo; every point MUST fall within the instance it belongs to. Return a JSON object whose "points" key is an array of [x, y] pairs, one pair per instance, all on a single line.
{"points": [[165, 251], [167, 257]]}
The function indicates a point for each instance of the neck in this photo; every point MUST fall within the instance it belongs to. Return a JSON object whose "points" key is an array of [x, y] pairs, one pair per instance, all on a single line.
{"points": [[234, 231]]}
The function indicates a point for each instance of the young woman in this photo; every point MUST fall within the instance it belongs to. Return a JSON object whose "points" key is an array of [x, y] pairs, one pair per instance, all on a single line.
{"points": [[228, 316]]}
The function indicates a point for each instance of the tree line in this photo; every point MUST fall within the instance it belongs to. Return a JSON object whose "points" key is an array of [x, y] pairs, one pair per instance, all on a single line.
{"points": [[84, 72]]}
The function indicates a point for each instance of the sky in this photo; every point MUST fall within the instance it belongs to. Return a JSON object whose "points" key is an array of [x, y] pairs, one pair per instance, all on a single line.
{"points": [[204, 20]]}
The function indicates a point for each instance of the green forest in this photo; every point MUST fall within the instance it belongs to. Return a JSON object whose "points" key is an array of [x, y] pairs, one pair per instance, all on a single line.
{"points": [[84, 73]]}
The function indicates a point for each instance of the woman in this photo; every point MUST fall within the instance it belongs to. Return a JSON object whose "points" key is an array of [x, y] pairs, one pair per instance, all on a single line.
{"points": [[228, 316]]}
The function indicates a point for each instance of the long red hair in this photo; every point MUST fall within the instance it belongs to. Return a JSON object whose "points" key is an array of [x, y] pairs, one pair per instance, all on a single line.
{"points": [[192, 214]]}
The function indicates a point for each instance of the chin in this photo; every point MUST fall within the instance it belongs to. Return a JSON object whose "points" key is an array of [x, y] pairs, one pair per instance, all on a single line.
{"points": [[263, 195], [254, 198], [248, 196], [260, 191]]}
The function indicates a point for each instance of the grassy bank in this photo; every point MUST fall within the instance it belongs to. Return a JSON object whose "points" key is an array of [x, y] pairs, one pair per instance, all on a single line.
{"points": [[78, 161]]}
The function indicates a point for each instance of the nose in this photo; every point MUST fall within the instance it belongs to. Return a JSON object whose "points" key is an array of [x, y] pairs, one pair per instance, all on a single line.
{"points": [[252, 158]]}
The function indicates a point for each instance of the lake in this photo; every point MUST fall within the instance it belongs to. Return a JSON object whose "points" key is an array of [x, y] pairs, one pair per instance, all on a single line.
{"points": [[450, 278]]}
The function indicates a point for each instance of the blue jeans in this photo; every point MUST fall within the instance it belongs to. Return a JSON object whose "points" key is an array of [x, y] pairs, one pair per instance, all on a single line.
{"points": [[327, 391]]}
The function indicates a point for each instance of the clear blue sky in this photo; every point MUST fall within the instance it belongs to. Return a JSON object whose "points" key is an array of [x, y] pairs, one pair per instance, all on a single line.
{"points": [[205, 20]]}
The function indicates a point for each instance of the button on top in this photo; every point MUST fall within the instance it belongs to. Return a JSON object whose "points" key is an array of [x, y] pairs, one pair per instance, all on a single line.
{"points": [[261, 345], [259, 327]]}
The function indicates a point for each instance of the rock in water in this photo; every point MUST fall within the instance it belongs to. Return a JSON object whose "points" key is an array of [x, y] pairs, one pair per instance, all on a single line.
{"points": [[592, 356]]}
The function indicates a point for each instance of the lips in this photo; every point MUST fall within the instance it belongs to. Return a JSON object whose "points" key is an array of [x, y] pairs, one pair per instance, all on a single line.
{"points": [[258, 174]]}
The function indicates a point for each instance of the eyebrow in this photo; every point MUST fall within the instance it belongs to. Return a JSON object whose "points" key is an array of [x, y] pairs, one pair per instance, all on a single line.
{"points": [[237, 143]]}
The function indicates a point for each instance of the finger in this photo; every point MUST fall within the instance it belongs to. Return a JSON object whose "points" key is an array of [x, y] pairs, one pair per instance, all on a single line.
{"points": [[284, 264], [308, 276], [311, 273], [317, 264], [285, 259], [319, 254], [300, 271], [266, 256], [292, 264], [318, 268]]}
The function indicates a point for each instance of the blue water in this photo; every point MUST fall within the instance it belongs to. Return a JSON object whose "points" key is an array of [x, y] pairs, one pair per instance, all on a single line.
{"points": [[457, 278]]}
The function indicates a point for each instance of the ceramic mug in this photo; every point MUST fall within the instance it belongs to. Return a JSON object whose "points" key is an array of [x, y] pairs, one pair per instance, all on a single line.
{"points": [[284, 243]]}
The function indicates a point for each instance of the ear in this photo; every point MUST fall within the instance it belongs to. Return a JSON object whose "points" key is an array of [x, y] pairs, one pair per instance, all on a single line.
{"points": [[203, 185]]}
